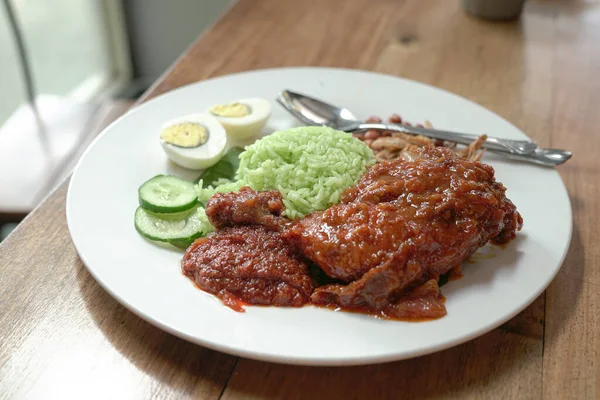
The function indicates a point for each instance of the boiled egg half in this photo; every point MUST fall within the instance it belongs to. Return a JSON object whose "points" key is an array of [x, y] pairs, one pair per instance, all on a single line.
{"points": [[194, 141], [242, 119]]}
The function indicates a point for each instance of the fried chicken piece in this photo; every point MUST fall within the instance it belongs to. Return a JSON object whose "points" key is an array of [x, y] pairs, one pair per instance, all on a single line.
{"points": [[405, 222], [248, 264], [246, 207], [348, 241]]}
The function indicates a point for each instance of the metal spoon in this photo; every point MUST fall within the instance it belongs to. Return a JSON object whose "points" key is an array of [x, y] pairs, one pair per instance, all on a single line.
{"points": [[543, 156], [316, 112]]}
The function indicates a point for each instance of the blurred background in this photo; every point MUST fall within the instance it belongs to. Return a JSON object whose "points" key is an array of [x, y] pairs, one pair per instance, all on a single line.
{"points": [[70, 67]]}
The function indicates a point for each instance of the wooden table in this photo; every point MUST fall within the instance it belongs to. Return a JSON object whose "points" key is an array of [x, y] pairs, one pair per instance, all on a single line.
{"points": [[62, 336]]}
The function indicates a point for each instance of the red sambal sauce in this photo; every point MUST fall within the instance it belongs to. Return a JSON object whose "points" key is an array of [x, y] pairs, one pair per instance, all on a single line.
{"points": [[248, 264]]}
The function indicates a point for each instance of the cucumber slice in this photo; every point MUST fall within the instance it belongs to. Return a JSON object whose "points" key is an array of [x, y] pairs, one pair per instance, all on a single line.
{"points": [[183, 245], [167, 194], [179, 229]]}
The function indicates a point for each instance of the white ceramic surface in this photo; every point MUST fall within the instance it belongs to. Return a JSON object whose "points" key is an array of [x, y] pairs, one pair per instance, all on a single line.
{"points": [[147, 279]]}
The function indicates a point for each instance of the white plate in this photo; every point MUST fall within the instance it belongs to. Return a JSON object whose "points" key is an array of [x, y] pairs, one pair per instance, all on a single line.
{"points": [[147, 279]]}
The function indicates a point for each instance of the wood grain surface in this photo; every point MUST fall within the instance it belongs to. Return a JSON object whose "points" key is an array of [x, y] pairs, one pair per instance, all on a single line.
{"points": [[63, 336]]}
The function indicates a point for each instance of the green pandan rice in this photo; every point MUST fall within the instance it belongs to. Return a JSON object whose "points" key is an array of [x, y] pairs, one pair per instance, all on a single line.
{"points": [[205, 225], [221, 186], [310, 166]]}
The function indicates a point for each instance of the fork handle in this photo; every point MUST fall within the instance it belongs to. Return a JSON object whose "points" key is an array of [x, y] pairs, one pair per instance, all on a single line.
{"points": [[519, 147]]}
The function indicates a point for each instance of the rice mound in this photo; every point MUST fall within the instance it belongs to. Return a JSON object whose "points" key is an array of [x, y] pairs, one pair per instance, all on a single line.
{"points": [[310, 166], [221, 186]]}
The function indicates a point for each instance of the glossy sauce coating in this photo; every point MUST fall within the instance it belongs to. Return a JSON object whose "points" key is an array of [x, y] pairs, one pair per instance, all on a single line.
{"points": [[404, 223], [246, 207]]}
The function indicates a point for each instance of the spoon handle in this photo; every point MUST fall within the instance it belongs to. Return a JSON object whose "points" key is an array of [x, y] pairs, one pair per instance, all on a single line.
{"points": [[518, 147], [543, 156]]}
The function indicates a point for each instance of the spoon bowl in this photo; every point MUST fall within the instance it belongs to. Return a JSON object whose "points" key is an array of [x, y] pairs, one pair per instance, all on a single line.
{"points": [[316, 112]]}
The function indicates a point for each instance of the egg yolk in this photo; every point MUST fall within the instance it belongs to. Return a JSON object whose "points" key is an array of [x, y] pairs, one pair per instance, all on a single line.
{"points": [[185, 135], [231, 110]]}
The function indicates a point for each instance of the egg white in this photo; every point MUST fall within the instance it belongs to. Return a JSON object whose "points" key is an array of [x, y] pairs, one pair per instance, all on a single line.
{"points": [[206, 154], [249, 126]]}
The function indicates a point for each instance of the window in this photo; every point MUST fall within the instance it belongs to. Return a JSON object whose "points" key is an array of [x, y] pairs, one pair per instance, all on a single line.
{"points": [[74, 48]]}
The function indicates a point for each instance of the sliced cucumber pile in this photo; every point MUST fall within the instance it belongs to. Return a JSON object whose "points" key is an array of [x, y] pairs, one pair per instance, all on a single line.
{"points": [[169, 211]]}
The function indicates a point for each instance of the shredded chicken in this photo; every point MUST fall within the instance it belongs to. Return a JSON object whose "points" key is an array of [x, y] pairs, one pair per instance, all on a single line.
{"points": [[471, 152], [389, 145]]}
